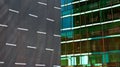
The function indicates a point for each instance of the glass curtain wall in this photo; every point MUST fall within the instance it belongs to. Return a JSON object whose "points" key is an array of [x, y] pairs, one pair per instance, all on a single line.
{"points": [[90, 33]]}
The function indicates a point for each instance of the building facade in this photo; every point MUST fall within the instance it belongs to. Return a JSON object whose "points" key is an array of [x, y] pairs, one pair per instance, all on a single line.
{"points": [[90, 33], [29, 33]]}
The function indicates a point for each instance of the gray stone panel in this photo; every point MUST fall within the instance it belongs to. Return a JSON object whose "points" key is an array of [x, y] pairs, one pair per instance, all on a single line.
{"points": [[29, 33]]}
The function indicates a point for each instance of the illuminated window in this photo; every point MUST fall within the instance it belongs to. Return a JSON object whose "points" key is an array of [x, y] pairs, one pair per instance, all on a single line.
{"points": [[83, 60], [72, 61]]}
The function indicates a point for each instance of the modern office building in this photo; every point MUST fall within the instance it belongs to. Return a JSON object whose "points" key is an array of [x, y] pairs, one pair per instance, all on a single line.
{"points": [[29, 33], [90, 33]]}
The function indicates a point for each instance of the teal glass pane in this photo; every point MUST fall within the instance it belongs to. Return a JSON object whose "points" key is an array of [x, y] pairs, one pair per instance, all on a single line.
{"points": [[67, 22], [67, 34], [105, 58]]}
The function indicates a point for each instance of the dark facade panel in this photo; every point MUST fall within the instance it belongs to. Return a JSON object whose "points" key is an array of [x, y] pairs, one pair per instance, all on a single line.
{"points": [[29, 33]]}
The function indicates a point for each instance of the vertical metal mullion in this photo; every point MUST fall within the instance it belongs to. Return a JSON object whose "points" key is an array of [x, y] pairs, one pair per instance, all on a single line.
{"points": [[88, 47], [87, 32], [65, 47], [92, 34], [101, 19], [80, 35], [73, 52]]}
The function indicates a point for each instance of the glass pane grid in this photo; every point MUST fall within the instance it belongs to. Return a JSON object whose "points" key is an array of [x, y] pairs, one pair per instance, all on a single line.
{"points": [[93, 37]]}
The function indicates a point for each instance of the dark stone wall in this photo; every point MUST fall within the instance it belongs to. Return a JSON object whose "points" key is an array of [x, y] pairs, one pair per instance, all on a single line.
{"points": [[29, 33]]}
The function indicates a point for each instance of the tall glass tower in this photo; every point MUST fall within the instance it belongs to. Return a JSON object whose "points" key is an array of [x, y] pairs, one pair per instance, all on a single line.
{"points": [[29, 33], [90, 33]]}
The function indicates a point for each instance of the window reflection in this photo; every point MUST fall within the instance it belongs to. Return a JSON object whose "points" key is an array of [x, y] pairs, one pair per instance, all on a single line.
{"points": [[87, 44]]}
